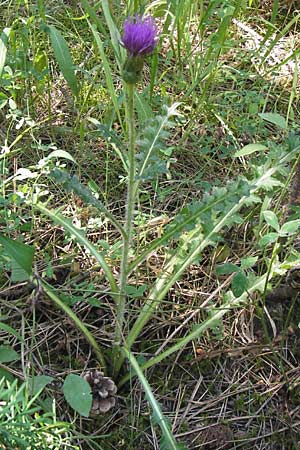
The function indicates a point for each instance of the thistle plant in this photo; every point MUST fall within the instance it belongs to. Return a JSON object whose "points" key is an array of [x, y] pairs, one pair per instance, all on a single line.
{"points": [[139, 39], [196, 228]]}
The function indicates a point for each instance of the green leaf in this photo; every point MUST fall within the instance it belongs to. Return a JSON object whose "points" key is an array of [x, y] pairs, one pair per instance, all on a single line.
{"points": [[268, 239], [61, 154], [77, 392], [22, 254], [239, 284], [160, 419], [144, 111], [226, 268], [289, 227], [63, 58], [275, 119], [38, 383], [3, 48], [248, 262], [271, 219], [250, 148], [136, 291], [6, 375], [8, 354], [17, 273]]}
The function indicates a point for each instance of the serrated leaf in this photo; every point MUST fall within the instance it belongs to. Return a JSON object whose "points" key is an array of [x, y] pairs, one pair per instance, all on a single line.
{"points": [[151, 158], [271, 219], [38, 383], [23, 254], [239, 284], [78, 394], [8, 354], [249, 149], [290, 227], [275, 119], [63, 58]]}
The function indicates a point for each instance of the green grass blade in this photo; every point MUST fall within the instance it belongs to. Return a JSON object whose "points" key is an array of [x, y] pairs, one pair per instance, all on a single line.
{"points": [[67, 225], [157, 412], [113, 30], [63, 58], [108, 74]]}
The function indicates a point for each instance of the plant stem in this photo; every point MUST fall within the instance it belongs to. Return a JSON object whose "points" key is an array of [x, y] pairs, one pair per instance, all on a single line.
{"points": [[131, 194]]}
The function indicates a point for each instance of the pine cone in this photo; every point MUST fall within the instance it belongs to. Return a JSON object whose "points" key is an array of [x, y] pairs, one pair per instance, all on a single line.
{"points": [[103, 390]]}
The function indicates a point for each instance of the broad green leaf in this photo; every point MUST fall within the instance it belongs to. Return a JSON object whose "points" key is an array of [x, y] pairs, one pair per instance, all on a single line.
{"points": [[8, 354], [77, 392], [23, 254], [250, 148], [290, 227], [38, 383], [268, 239], [17, 273], [227, 268], [239, 284], [63, 57], [271, 219], [248, 262], [6, 375], [3, 48], [275, 119]]}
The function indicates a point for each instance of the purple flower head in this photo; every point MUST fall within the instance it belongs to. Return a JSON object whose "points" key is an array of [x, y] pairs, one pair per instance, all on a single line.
{"points": [[140, 35]]}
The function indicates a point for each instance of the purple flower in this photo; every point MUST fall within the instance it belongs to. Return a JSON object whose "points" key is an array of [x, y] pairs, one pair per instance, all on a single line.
{"points": [[140, 35]]}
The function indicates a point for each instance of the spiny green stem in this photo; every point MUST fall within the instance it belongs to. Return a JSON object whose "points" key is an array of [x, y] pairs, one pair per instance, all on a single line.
{"points": [[131, 194]]}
